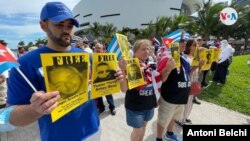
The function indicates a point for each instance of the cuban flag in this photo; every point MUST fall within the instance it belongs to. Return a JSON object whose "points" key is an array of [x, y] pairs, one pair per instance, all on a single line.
{"points": [[114, 47], [178, 35], [7, 60], [167, 41], [186, 36]]}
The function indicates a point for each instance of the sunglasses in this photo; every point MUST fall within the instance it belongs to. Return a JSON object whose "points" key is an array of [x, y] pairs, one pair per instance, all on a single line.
{"points": [[101, 72]]}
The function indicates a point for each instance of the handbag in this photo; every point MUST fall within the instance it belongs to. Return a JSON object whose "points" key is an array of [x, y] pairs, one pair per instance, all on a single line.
{"points": [[195, 88], [195, 84]]}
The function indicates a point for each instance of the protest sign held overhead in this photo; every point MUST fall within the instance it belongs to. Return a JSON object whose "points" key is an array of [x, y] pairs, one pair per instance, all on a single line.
{"points": [[119, 45], [175, 51], [103, 75], [67, 73]]}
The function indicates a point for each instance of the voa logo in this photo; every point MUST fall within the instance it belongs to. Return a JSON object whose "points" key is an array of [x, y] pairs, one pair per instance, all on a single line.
{"points": [[228, 16]]}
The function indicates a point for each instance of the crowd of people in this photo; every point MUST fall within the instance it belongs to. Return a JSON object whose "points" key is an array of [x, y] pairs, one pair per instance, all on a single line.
{"points": [[82, 123]]}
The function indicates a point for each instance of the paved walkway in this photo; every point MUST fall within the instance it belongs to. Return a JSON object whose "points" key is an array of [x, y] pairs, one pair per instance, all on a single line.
{"points": [[114, 128]]}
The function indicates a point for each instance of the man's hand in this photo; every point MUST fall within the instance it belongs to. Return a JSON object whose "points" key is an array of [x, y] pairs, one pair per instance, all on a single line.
{"points": [[44, 103]]}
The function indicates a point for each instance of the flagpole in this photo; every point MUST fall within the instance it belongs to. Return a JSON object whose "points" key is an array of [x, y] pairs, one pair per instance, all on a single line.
{"points": [[26, 79]]}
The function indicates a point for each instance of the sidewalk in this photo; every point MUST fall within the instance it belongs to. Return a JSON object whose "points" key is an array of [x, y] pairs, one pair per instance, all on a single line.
{"points": [[114, 128]]}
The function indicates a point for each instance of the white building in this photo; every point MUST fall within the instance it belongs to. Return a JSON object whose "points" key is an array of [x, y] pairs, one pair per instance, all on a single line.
{"points": [[129, 13]]}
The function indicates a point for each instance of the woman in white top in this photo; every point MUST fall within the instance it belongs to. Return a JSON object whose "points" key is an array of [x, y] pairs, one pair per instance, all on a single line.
{"points": [[223, 63]]}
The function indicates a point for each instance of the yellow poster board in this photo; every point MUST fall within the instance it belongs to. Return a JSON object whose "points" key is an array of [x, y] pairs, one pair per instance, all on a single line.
{"points": [[103, 75], [123, 44], [68, 74], [175, 51], [207, 56], [216, 54], [195, 61], [135, 76]]}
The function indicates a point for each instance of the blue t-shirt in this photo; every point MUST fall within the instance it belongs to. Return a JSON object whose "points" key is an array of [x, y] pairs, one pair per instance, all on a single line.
{"points": [[77, 125]]}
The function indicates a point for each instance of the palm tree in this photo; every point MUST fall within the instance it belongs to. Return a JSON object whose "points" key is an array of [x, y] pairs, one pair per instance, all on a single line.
{"points": [[162, 26], [107, 32], [147, 32], [157, 29], [208, 21], [95, 29], [241, 29], [30, 44], [21, 43], [40, 41], [184, 22], [130, 33]]}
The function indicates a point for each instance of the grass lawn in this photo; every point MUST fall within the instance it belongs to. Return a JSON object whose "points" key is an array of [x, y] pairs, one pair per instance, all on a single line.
{"points": [[234, 94]]}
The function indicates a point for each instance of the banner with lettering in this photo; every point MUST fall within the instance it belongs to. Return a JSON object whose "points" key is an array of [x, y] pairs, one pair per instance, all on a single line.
{"points": [[67, 73], [175, 51], [207, 55], [135, 76], [103, 75]]}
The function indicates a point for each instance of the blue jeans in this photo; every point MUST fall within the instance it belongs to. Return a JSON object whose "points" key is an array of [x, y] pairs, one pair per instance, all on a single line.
{"points": [[110, 100], [136, 119]]}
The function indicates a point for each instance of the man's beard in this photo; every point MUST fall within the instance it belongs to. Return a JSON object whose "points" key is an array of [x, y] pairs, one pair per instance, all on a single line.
{"points": [[59, 41]]}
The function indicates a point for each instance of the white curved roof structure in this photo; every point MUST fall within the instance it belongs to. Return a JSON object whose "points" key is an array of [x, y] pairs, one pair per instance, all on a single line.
{"points": [[127, 13]]}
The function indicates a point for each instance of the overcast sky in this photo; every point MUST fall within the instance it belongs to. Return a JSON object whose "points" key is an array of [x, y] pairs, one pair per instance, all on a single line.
{"points": [[19, 20]]}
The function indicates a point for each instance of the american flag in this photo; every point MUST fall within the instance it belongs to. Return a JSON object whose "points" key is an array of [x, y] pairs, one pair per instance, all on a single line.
{"points": [[153, 78]]}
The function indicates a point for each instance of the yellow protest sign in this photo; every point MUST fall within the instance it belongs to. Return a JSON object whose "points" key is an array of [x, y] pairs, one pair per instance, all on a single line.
{"points": [[103, 75], [135, 76], [68, 74], [207, 56], [195, 61], [123, 44], [216, 54], [175, 51]]}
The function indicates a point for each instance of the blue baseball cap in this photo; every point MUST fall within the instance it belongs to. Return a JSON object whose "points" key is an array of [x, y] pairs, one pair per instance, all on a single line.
{"points": [[57, 12]]}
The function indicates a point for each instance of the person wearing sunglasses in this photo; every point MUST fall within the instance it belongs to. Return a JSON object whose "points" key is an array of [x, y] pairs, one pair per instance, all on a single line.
{"points": [[103, 74]]}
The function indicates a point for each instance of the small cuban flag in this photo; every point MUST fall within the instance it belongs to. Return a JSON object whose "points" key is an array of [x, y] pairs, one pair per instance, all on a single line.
{"points": [[167, 41], [7, 60], [119, 45], [177, 35]]}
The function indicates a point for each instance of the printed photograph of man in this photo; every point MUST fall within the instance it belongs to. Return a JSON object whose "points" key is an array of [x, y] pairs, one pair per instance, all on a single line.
{"points": [[104, 73], [209, 57], [175, 52], [134, 72], [68, 80]]}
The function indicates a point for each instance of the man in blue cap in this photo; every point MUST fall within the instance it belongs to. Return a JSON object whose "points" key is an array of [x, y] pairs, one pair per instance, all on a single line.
{"points": [[57, 22]]}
